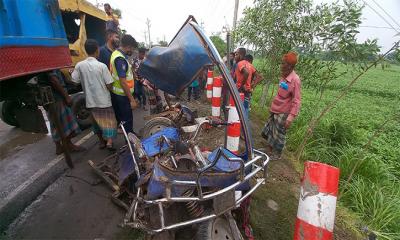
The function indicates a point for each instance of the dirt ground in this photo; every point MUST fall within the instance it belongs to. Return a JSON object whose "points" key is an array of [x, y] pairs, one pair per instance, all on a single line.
{"points": [[274, 205]]}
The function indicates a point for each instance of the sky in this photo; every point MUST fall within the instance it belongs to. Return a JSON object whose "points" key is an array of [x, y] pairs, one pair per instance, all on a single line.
{"points": [[166, 17]]}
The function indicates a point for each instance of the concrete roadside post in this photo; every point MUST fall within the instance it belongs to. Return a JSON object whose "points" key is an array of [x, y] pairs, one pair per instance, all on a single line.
{"points": [[216, 97], [317, 203], [234, 127], [209, 85]]}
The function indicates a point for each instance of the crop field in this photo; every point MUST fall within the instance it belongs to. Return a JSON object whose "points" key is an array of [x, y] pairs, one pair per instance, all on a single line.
{"points": [[361, 133]]}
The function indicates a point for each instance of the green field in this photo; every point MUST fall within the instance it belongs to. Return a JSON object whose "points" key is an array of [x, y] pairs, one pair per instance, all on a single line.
{"points": [[340, 139]]}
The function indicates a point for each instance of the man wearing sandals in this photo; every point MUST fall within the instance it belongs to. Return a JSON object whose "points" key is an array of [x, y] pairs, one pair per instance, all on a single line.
{"points": [[96, 83], [284, 107]]}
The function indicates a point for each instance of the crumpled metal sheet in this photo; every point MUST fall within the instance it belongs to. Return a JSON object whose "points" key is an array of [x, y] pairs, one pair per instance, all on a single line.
{"points": [[173, 68]]}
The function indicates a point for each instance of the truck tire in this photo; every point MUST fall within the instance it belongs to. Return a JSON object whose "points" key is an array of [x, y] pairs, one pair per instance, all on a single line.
{"points": [[156, 124], [7, 112], [216, 229], [82, 114]]}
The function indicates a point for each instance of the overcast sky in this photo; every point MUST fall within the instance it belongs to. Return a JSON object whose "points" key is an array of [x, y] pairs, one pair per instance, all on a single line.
{"points": [[166, 17]]}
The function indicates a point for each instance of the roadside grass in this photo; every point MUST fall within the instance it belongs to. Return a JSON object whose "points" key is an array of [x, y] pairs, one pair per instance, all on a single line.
{"points": [[340, 139]]}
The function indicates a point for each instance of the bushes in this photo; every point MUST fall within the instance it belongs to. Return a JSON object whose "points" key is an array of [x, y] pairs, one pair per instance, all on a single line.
{"points": [[377, 203], [340, 138]]}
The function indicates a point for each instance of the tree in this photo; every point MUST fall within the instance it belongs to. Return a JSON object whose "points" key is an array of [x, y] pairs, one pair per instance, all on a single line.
{"points": [[163, 43], [274, 27], [117, 12], [219, 44]]}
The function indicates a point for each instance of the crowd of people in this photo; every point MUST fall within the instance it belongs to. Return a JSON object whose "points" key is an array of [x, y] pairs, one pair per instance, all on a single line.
{"points": [[285, 105], [113, 88]]}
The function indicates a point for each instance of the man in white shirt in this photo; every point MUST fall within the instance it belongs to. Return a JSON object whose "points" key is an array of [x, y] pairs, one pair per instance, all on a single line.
{"points": [[96, 82]]}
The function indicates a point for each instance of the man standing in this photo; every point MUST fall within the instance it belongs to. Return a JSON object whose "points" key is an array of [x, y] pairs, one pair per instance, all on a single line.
{"points": [[139, 84], [123, 86], [194, 88], [284, 107], [256, 77], [112, 19], [66, 117], [96, 82], [112, 43], [243, 75]]}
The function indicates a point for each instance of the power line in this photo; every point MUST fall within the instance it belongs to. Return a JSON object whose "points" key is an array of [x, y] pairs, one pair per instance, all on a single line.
{"points": [[387, 14], [383, 18], [379, 27]]}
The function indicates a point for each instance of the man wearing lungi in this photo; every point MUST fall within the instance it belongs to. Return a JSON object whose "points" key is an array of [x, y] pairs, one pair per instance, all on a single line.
{"points": [[96, 83], [284, 107], [64, 113]]}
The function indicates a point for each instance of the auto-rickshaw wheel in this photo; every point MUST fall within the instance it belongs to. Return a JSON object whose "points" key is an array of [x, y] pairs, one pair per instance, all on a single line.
{"points": [[155, 125], [217, 229]]}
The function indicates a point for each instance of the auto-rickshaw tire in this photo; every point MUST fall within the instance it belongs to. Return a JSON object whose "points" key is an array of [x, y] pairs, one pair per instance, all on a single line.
{"points": [[216, 229], [156, 124]]}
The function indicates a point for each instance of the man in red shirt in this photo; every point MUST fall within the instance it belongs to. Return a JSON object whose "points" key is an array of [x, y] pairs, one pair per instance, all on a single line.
{"points": [[284, 107], [243, 75]]}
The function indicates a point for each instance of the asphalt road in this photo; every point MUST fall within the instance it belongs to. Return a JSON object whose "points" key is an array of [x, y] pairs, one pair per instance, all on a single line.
{"points": [[76, 205]]}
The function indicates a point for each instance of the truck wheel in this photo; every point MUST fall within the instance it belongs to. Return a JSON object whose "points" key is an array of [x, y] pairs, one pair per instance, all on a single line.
{"points": [[156, 124], [216, 229], [7, 112], [82, 114]]}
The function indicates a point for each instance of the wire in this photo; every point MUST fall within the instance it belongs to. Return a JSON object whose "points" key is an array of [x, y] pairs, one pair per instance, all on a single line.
{"points": [[383, 18], [387, 14], [380, 27]]}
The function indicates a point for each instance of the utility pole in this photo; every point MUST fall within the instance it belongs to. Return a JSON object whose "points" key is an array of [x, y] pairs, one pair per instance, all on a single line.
{"points": [[145, 37], [234, 22], [148, 30], [235, 14]]}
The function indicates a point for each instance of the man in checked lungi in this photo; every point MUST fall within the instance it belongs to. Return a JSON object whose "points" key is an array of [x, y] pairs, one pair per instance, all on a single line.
{"points": [[284, 107], [96, 83], [62, 114]]}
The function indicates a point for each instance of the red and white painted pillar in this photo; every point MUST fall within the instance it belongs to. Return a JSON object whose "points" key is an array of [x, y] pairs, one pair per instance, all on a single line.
{"points": [[209, 86], [317, 204], [216, 97], [234, 127]]}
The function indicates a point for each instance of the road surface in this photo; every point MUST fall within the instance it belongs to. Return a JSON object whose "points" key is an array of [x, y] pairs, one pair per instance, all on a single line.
{"points": [[76, 205]]}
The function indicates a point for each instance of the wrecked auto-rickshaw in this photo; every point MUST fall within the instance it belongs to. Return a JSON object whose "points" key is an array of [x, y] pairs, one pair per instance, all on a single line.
{"points": [[170, 185]]}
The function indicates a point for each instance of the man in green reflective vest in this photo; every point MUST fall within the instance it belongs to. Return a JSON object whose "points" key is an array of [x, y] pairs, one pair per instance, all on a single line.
{"points": [[122, 89]]}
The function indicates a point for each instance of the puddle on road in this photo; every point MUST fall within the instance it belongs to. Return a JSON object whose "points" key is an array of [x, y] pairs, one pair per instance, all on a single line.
{"points": [[18, 143]]}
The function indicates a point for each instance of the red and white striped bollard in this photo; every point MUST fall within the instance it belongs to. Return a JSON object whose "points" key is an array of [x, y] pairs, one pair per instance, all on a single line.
{"points": [[209, 85], [317, 203], [234, 127], [216, 97]]}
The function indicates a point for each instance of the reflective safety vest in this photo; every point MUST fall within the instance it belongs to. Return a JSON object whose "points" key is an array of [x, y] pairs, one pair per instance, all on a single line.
{"points": [[117, 88]]}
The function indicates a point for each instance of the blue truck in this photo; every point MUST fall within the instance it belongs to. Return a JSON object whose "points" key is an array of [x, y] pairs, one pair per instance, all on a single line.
{"points": [[38, 36]]}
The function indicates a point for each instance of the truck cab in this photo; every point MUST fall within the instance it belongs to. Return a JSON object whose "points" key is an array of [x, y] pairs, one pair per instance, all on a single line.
{"points": [[38, 36]]}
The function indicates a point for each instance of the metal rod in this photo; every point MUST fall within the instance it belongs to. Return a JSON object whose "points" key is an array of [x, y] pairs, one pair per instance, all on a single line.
{"points": [[248, 193], [198, 130], [199, 155], [161, 210], [130, 149], [136, 204], [208, 196], [174, 161], [211, 216]]}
